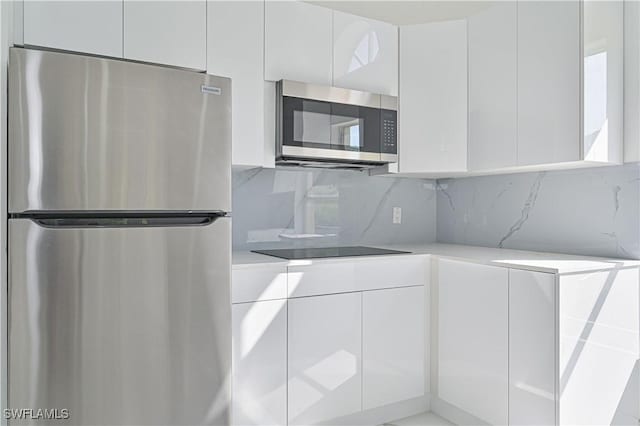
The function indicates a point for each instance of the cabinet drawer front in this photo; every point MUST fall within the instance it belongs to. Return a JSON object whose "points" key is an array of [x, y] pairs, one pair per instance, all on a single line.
{"points": [[392, 271], [261, 283], [322, 278]]}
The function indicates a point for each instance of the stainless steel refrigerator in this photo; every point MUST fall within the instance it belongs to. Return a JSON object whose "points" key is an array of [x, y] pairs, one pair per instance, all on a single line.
{"points": [[119, 241]]}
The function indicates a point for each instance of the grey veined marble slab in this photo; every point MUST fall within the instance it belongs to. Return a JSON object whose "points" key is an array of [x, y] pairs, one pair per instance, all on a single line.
{"points": [[592, 211], [279, 208]]}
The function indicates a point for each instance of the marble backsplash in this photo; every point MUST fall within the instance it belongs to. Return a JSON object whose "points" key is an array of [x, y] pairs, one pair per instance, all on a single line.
{"points": [[299, 208], [592, 211]]}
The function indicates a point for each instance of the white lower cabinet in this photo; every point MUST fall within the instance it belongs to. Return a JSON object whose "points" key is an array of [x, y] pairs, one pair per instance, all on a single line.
{"points": [[393, 335], [473, 339], [259, 363], [514, 346], [599, 347], [315, 343], [325, 358], [532, 328]]}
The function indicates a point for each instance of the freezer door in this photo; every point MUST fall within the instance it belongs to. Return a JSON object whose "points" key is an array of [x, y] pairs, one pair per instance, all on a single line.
{"points": [[89, 133], [121, 326]]}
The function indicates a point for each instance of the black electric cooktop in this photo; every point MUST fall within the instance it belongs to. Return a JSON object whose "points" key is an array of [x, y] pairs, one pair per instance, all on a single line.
{"points": [[319, 252]]}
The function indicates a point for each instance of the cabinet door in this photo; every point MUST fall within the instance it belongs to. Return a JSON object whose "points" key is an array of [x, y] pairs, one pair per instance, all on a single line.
{"points": [[548, 82], [298, 42], [235, 46], [166, 32], [603, 80], [81, 26], [325, 357], [433, 98], [492, 87], [260, 363], [532, 340], [365, 54], [393, 341], [473, 339], [599, 347]]}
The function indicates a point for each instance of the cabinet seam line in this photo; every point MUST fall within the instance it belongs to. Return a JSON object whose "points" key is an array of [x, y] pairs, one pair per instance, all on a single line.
{"points": [[122, 29], [517, 135], [333, 59], [286, 362], [362, 351], [264, 41], [508, 346], [581, 52], [468, 165], [206, 38]]}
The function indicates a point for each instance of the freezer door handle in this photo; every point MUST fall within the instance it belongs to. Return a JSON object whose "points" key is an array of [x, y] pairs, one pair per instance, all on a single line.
{"points": [[120, 219]]}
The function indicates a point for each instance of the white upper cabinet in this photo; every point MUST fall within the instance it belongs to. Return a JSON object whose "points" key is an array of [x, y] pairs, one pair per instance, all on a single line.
{"points": [[493, 87], [548, 82], [544, 89], [166, 32], [603, 79], [82, 26], [570, 107], [432, 131], [235, 49], [365, 54], [298, 42], [473, 338]]}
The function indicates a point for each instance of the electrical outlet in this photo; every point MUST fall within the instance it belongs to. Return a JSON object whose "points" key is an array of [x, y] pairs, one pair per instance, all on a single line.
{"points": [[397, 215]]}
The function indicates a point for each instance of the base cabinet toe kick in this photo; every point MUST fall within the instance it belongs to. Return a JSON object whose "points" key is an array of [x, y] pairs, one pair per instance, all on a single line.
{"points": [[373, 340]]}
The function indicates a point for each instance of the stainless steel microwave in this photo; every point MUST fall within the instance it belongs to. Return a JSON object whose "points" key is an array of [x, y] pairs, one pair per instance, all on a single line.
{"points": [[323, 126]]}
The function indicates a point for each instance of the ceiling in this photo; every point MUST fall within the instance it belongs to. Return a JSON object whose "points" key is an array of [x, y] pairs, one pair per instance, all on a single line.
{"points": [[402, 12]]}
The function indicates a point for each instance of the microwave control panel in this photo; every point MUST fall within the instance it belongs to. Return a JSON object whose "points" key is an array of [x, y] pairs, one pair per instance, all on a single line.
{"points": [[389, 124]]}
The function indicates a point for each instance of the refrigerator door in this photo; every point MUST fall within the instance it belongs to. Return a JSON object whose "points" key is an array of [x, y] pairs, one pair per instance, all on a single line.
{"points": [[89, 133], [121, 326]]}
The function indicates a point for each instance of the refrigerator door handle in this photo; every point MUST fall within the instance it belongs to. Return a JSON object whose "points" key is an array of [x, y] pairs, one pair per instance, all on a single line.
{"points": [[120, 219]]}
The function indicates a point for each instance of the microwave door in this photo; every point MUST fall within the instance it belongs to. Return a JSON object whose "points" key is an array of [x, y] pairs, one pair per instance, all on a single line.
{"points": [[121, 326], [323, 130]]}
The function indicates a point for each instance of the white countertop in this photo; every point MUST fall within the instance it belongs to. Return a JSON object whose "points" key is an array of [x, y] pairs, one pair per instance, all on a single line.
{"points": [[517, 259]]}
